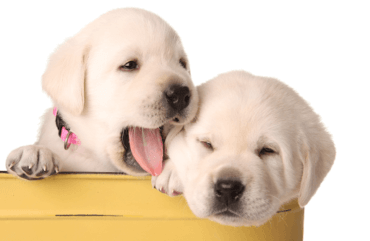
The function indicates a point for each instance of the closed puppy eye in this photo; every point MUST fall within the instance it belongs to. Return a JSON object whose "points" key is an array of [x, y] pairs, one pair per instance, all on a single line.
{"points": [[207, 144], [183, 63], [266, 151], [129, 66]]}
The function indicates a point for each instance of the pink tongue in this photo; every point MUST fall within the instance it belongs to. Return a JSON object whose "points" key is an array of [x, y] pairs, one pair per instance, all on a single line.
{"points": [[147, 148]]}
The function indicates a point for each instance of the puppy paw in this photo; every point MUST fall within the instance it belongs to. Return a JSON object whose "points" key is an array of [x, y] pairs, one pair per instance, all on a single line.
{"points": [[168, 181], [32, 162]]}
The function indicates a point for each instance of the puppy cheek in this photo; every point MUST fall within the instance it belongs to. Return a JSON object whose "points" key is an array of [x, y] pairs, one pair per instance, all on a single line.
{"points": [[196, 205], [199, 195], [276, 177]]}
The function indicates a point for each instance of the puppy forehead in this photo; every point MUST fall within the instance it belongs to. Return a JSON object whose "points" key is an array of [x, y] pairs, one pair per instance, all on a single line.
{"points": [[244, 109], [226, 127], [133, 27]]}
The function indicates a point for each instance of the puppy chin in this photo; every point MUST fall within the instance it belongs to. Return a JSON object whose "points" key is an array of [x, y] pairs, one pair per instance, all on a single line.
{"points": [[231, 221], [131, 172], [238, 221]]}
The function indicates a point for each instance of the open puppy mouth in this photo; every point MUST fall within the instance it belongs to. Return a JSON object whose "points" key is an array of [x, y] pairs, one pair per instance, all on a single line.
{"points": [[143, 149]]}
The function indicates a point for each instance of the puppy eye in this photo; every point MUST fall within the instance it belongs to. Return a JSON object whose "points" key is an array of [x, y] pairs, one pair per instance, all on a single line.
{"points": [[183, 63], [266, 151], [207, 145], [129, 66]]}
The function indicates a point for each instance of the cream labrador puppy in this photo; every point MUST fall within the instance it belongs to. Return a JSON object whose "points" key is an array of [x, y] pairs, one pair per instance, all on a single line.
{"points": [[254, 145], [114, 85]]}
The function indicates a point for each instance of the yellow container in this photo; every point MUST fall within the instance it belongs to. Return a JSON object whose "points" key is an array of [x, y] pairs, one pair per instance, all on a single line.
{"points": [[118, 207]]}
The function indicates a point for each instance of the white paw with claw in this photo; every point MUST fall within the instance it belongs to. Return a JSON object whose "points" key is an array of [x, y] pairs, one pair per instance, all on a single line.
{"points": [[168, 181], [32, 162]]}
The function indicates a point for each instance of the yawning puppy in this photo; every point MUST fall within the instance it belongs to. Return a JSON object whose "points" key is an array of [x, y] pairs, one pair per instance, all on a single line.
{"points": [[114, 85], [254, 145]]}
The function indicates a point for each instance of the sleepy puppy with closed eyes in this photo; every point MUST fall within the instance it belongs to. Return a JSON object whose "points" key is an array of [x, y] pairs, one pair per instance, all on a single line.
{"points": [[114, 85], [254, 145]]}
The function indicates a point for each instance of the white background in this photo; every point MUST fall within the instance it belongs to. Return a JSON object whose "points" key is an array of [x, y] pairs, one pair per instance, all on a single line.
{"points": [[320, 48]]}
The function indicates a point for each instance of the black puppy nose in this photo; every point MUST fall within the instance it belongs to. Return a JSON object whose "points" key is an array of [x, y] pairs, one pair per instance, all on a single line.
{"points": [[228, 192], [178, 97]]}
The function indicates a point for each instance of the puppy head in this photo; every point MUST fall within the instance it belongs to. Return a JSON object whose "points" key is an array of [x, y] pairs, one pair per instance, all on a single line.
{"points": [[125, 69], [255, 145]]}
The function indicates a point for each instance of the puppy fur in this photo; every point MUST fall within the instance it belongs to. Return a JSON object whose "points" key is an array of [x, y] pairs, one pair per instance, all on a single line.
{"points": [[98, 99], [254, 145]]}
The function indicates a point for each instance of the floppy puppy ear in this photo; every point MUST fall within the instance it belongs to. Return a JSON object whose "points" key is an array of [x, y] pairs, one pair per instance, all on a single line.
{"points": [[318, 157], [64, 77]]}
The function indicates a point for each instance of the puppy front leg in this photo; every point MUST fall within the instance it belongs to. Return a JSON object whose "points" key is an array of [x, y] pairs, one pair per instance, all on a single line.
{"points": [[168, 181], [32, 162]]}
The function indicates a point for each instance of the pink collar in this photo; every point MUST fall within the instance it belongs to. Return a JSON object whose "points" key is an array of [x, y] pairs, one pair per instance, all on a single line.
{"points": [[66, 135]]}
